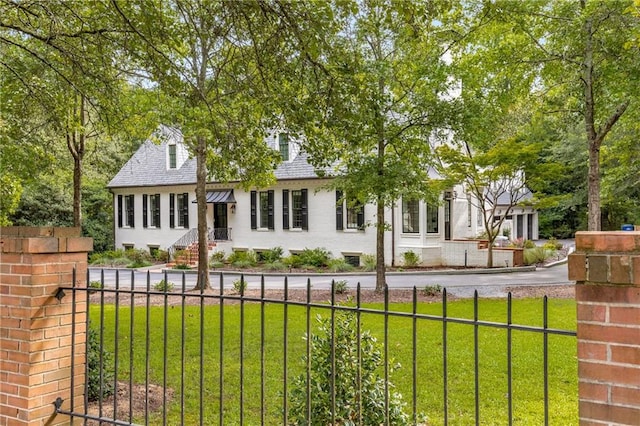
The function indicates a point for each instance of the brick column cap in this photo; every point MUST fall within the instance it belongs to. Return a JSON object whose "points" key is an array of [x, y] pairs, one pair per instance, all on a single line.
{"points": [[608, 242]]}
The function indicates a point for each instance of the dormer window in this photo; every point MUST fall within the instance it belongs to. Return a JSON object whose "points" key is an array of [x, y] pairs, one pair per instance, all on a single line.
{"points": [[283, 144], [172, 157]]}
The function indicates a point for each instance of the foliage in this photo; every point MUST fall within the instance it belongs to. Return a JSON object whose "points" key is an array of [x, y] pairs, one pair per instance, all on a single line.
{"points": [[217, 256], [432, 290], [271, 255], [358, 389], [275, 266], [537, 255], [164, 285], [95, 285], [340, 286], [139, 258], [292, 261], [100, 368], [239, 286], [552, 244], [243, 258], [368, 262], [182, 266], [339, 265], [318, 257], [522, 243], [410, 259]]}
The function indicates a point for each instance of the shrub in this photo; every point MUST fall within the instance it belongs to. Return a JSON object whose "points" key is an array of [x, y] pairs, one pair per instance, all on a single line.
{"points": [[138, 258], [213, 264], [95, 285], [182, 266], [239, 286], [161, 255], [317, 257], [217, 256], [359, 389], [275, 266], [552, 244], [292, 261], [411, 259], [163, 285], [369, 262], [536, 255], [432, 290], [340, 286], [243, 259], [340, 265], [96, 389], [272, 255]]}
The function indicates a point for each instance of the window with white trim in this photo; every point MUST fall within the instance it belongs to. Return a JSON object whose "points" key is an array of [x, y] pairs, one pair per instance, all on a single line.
{"points": [[410, 216], [432, 218]]}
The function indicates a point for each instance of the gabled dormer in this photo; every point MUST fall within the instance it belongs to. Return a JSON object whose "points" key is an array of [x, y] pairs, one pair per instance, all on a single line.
{"points": [[285, 144], [175, 151]]}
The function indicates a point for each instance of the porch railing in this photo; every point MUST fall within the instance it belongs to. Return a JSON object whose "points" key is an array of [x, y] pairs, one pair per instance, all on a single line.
{"points": [[185, 241]]}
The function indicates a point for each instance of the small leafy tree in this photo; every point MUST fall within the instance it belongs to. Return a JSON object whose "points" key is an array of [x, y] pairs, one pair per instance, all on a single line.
{"points": [[358, 388], [98, 389]]}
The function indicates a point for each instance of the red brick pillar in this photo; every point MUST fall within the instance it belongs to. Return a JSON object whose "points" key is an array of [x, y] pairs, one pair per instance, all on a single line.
{"points": [[36, 327], [606, 268]]}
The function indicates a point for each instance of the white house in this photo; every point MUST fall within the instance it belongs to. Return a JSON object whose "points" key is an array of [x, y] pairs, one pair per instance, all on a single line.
{"points": [[154, 208]]}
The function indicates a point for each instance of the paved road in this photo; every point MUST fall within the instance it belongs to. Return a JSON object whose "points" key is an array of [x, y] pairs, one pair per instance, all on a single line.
{"points": [[458, 284]]}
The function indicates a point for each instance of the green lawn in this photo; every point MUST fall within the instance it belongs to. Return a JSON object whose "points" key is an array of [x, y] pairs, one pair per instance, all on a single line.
{"points": [[526, 346]]}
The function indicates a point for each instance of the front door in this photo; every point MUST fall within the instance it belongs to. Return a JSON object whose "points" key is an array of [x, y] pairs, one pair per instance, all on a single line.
{"points": [[220, 225]]}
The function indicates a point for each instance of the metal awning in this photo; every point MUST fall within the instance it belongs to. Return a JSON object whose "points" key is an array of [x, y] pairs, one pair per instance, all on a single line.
{"points": [[224, 196]]}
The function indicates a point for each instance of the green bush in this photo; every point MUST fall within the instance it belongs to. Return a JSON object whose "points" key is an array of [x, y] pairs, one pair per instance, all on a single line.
{"points": [[536, 255], [217, 256], [96, 389], [432, 290], [340, 265], [271, 255], [552, 244], [275, 266], [239, 285], [340, 286], [243, 258], [411, 259], [95, 285], [163, 286], [182, 266], [213, 264], [369, 262], [160, 255], [293, 261], [359, 389], [139, 258], [317, 257]]}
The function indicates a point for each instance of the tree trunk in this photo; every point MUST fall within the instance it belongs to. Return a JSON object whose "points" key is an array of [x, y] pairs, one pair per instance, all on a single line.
{"points": [[201, 200], [76, 140], [593, 180], [381, 281]]}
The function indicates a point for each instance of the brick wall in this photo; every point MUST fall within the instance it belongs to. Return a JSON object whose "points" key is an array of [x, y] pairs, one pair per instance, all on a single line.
{"points": [[36, 327], [606, 268]]}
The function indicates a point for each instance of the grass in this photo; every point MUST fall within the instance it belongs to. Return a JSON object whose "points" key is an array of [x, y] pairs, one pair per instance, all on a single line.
{"points": [[526, 346]]}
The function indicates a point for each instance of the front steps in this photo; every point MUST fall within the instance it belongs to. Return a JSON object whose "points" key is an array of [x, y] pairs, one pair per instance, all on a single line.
{"points": [[188, 256]]}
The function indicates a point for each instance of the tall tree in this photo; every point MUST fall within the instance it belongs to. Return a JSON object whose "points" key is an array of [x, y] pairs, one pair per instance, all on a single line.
{"points": [[200, 54], [60, 57], [581, 52], [381, 92]]}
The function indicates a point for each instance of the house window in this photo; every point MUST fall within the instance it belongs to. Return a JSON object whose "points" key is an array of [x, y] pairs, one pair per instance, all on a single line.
{"points": [[172, 156], [178, 206], [262, 209], [352, 260], [410, 216], [469, 210], [480, 216], [183, 210], [355, 212], [283, 144], [432, 218], [151, 210], [125, 211]]}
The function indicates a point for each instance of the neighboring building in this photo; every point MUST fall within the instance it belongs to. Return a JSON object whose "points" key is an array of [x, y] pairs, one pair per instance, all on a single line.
{"points": [[154, 207]]}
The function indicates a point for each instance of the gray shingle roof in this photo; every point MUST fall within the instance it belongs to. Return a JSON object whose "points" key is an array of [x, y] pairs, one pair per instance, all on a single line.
{"points": [[148, 166]]}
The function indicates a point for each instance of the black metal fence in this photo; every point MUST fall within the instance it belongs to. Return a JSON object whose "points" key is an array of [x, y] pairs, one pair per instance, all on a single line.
{"points": [[236, 355]]}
